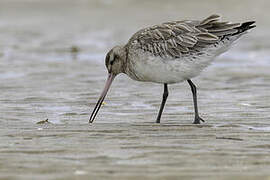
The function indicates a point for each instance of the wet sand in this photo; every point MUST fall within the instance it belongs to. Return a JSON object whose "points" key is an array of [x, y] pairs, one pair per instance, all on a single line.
{"points": [[134, 151], [51, 67]]}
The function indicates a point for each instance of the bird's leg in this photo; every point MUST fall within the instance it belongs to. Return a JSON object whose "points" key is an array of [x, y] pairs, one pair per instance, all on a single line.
{"points": [[165, 95], [194, 93]]}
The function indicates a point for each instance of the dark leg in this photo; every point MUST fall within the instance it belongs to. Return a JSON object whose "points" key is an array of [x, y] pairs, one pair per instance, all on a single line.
{"points": [[165, 95], [194, 93]]}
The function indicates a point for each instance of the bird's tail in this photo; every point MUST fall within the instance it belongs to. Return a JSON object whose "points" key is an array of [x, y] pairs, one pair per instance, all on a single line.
{"points": [[244, 27]]}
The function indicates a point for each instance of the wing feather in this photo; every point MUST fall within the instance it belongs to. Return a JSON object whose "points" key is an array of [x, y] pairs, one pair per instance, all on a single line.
{"points": [[175, 38]]}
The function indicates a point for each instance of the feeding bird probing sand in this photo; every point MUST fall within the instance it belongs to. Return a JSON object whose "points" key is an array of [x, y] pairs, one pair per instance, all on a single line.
{"points": [[172, 52]]}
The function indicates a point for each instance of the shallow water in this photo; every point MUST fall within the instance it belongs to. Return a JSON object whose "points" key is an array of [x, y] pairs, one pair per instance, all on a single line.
{"points": [[52, 67]]}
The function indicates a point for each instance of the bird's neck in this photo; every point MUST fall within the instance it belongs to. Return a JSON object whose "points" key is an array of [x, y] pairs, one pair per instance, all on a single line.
{"points": [[124, 56]]}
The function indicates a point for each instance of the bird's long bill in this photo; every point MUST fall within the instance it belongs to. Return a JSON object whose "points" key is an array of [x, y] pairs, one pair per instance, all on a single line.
{"points": [[102, 97]]}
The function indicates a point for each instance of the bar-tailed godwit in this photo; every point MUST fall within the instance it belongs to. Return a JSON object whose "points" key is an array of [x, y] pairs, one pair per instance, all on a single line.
{"points": [[172, 52]]}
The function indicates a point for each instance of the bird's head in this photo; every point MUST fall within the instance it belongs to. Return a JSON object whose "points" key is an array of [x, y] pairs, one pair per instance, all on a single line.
{"points": [[115, 62]]}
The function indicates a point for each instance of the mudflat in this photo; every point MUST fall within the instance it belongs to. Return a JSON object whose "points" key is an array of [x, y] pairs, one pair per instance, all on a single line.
{"points": [[52, 72]]}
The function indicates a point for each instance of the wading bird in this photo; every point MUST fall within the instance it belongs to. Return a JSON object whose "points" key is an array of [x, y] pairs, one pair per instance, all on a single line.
{"points": [[172, 52]]}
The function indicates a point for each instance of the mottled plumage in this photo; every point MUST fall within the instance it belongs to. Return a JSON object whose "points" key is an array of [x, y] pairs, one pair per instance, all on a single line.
{"points": [[172, 52], [177, 38]]}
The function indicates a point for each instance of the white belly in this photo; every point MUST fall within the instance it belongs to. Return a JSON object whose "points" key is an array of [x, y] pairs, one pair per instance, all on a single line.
{"points": [[159, 70]]}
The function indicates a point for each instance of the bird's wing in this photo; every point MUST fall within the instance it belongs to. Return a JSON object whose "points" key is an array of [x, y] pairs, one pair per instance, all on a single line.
{"points": [[175, 38]]}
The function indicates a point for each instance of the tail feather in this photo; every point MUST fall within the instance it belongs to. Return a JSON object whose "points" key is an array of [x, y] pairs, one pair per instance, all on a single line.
{"points": [[244, 27]]}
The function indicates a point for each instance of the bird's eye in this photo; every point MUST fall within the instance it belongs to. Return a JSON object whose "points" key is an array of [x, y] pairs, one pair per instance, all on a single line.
{"points": [[111, 62]]}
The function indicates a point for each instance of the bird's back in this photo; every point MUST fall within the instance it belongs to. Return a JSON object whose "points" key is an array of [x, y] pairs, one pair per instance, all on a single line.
{"points": [[184, 47]]}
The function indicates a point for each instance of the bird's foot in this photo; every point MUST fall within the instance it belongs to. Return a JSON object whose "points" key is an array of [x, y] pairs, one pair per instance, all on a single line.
{"points": [[198, 120]]}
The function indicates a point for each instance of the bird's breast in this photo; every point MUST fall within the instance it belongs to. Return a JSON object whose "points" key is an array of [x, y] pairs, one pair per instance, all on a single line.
{"points": [[144, 66]]}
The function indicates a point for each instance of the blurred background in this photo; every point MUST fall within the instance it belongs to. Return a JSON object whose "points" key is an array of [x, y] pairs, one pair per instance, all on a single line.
{"points": [[52, 67], [53, 27]]}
